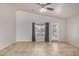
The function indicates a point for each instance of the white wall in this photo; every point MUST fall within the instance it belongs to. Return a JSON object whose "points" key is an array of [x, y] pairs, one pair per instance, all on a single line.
{"points": [[73, 31], [24, 25], [7, 26]]}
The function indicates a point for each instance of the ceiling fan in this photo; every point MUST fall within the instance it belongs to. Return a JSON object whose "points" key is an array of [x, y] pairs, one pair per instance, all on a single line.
{"points": [[43, 7]]}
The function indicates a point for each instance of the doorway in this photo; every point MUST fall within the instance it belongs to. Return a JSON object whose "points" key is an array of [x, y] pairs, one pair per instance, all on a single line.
{"points": [[40, 32]]}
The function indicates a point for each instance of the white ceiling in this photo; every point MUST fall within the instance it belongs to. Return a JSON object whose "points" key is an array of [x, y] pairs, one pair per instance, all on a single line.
{"points": [[61, 10]]}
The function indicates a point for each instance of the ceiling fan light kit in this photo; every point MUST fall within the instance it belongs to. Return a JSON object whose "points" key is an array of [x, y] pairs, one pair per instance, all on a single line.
{"points": [[43, 10]]}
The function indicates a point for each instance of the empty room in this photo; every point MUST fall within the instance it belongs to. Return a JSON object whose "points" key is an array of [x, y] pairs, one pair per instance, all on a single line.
{"points": [[39, 29]]}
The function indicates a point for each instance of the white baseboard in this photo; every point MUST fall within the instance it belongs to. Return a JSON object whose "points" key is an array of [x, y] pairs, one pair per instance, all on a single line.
{"points": [[23, 40]]}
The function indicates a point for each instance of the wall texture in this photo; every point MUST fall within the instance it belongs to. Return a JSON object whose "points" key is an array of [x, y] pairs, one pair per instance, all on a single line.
{"points": [[73, 31], [7, 26], [24, 25]]}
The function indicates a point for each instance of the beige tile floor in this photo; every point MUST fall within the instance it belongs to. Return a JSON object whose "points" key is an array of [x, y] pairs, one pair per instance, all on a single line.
{"points": [[40, 49]]}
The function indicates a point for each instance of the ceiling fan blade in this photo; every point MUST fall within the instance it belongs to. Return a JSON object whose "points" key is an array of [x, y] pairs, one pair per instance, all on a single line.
{"points": [[43, 4], [48, 3], [49, 8]]}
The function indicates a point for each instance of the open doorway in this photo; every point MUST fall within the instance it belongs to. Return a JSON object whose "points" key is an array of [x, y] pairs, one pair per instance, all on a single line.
{"points": [[40, 32]]}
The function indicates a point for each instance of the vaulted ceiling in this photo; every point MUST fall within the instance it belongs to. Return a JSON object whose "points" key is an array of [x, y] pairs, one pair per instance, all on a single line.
{"points": [[61, 10]]}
